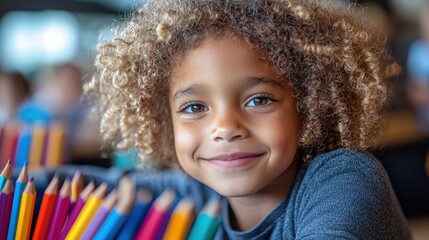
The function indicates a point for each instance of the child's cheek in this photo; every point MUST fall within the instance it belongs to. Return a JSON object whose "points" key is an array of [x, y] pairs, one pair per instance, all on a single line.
{"points": [[186, 144]]}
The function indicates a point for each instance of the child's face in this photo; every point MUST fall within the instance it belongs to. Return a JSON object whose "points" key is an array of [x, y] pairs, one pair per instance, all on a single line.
{"points": [[235, 122]]}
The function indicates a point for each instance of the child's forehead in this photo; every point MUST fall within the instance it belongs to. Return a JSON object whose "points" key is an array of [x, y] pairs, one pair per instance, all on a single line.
{"points": [[222, 58], [218, 41]]}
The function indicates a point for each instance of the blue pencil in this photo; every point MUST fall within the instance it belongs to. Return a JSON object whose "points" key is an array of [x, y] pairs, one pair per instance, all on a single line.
{"points": [[20, 185], [23, 147], [111, 226], [138, 213]]}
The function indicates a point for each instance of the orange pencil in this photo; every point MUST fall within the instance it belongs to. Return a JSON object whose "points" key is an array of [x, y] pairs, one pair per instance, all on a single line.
{"points": [[26, 211], [181, 220], [38, 136], [76, 186], [87, 213], [55, 147], [46, 210]]}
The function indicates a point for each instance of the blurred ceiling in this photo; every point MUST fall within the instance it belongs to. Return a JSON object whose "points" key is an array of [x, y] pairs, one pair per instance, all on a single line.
{"points": [[97, 6]]}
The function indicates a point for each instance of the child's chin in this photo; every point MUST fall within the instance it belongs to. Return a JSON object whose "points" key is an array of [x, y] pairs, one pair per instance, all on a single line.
{"points": [[234, 190]]}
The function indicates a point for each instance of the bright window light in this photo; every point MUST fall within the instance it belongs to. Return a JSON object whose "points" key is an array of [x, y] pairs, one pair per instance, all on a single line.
{"points": [[29, 40]]}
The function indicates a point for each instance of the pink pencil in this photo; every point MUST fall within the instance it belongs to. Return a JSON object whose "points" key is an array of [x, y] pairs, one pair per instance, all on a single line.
{"points": [[61, 210], [83, 196], [6, 198], [156, 216]]}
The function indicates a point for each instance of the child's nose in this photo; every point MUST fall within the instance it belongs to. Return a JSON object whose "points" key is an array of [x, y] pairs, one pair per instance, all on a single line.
{"points": [[228, 127]]}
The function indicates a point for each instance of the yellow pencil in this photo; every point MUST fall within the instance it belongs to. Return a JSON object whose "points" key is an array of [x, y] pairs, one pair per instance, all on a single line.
{"points": [[36, 148], [87, 213], [76, 186], [54, 152], [26, 212]]}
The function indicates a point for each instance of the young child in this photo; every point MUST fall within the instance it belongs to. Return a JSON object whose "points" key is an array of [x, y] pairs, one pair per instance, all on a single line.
{"points": [[270, 103]]}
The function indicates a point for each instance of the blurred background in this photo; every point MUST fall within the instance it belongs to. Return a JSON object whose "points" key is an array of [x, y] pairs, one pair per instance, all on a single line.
{"points": [[47, 49]]}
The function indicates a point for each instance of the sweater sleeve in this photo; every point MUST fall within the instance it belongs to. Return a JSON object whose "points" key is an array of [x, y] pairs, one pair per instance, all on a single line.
{"points": [[348, 196]]}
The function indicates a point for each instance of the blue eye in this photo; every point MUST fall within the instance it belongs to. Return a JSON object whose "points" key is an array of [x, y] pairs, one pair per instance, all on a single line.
{"points": [[259, 101], [194, 108]]}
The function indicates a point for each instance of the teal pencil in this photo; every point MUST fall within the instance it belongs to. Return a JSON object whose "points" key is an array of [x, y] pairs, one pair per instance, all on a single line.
{"points": [[20, 185], [207, 221], [5, 174]]}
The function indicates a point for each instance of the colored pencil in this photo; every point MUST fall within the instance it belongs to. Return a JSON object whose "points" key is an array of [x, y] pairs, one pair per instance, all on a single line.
{"points": [[181, 220], [36, 148], [20, 185], [117, 217], [26, 212], [46, 210], [87, 213], [156, 217], [76, 186], [5, 174], [55, 146], [100, 216], [77, 208], [1, 139], [9, 144], [207, 221], [83, 197], [6, 199], [61, 210], [138, 213], [23, 147]]}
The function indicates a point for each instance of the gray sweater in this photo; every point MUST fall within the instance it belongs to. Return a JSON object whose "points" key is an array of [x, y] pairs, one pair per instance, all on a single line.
{"points": [[341, 194]]}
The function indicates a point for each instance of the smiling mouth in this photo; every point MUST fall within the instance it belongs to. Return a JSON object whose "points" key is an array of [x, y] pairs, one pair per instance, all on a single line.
{"points": [[237, 160], [235, 156]]}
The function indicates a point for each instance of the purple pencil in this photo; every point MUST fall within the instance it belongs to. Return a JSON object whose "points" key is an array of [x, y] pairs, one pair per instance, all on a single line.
{"points": [[6, 198], [61, 210], [83, 196], [100, 216]]}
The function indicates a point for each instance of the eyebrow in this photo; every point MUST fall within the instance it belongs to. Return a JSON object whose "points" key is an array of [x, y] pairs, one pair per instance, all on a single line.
{"points": [[190, 90], [255, 81], [250, 82]]}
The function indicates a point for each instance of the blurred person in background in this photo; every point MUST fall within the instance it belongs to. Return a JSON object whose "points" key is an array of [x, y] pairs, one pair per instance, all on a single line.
{"points": [[56, 99], [56, 96], [14, 90], [418, 73]]}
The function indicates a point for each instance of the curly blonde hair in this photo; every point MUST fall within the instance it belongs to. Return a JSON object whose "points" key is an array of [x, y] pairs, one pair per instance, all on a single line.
{"points": [[334, 66]]}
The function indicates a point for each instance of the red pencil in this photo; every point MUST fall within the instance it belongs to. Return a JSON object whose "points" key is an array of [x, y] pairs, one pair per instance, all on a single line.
{"points": [[61, 211], [10, 140], [46, 210]]}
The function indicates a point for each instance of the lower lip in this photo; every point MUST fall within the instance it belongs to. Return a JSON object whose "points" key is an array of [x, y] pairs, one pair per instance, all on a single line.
{"points": [[236, 163]]}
